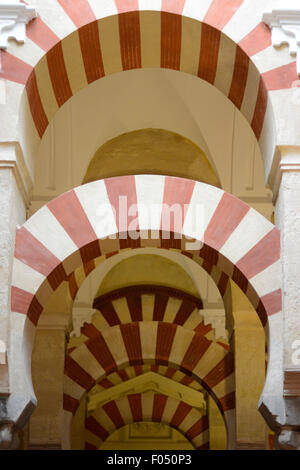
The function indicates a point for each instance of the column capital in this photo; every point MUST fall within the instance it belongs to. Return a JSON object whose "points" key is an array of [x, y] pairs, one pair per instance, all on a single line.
{"points": [[14, 17]]}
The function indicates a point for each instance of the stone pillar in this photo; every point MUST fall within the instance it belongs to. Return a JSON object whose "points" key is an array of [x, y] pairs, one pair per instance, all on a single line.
{"points": [[287, 218], [248, 344], [15, 185], [46, 422], [286, 191]]}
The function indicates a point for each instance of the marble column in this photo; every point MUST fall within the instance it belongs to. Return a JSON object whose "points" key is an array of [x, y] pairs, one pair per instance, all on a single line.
{"points": [[15, 185], [287, 217]]}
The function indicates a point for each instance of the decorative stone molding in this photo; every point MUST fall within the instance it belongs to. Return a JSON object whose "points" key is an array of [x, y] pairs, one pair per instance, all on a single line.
{"points": [[285, 26], [80, 316], [286, 159], [149, 382], [216, 318], [14, 17]]}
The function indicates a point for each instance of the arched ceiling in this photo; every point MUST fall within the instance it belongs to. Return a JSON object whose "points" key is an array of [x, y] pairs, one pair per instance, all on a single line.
{"points": [[193, 278], [153, 151], [143, 99], [147, 269]]}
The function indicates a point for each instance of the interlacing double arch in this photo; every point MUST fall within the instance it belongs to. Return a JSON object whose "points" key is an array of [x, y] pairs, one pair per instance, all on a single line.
{"points": [[238, 240]]}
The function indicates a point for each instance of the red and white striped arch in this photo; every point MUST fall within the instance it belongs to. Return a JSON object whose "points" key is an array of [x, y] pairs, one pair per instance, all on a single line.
{"points": [[145, 303], [68, 232], [156, 343], [223, 43], [146, 407], [168, 311], [121, 376], [183, 44], [78, 277]]}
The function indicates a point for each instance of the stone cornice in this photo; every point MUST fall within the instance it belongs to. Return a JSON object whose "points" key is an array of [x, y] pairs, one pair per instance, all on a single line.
{"points": [[14, 17], [285, 27], [287, 160]]}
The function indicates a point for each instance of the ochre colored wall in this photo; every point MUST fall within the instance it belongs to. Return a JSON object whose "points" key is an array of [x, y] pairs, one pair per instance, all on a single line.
{"points": [[151, 269], [154, 151], [146, 436]]}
